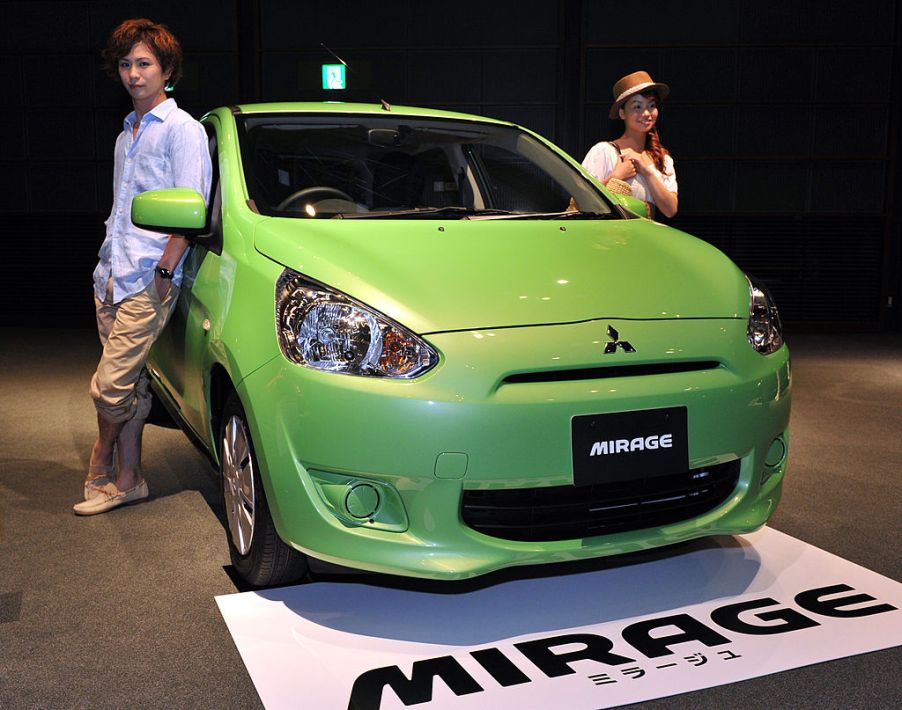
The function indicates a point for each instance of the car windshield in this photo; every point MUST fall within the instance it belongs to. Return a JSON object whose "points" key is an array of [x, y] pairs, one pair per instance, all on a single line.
{"points": [[408, 168]]}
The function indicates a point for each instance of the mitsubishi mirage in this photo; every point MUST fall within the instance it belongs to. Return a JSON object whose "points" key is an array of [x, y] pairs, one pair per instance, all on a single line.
{"points": [[430, 344]]}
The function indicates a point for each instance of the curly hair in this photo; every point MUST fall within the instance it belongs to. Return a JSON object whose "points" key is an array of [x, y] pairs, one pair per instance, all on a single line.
{"points": [[655, 149], [653, 139], [164, 45]]}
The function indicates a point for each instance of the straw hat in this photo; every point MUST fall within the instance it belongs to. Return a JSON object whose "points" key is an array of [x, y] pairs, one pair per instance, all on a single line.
{"points": [[635, 83]]}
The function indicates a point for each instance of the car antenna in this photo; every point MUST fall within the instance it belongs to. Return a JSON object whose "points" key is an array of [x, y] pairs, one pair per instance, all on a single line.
{"points": [[385, 105]]}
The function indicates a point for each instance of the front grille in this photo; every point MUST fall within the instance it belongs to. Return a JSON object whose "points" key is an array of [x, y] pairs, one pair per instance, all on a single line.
{"points": [[595, 373], [570, 512]]}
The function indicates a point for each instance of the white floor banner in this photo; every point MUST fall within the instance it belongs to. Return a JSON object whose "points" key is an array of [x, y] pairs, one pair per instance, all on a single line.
{"points": [[731, 609]]}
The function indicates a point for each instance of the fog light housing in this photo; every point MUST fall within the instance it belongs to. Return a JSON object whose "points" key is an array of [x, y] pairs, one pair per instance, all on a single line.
{"points": [[361, 502], [775, 459], [775, 453]]}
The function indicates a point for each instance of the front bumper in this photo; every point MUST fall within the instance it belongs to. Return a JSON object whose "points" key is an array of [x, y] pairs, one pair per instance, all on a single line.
{"points": [[470, 424]]}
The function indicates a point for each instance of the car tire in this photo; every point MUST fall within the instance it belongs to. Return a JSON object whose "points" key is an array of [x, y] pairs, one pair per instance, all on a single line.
{"points": [[258, 553]]}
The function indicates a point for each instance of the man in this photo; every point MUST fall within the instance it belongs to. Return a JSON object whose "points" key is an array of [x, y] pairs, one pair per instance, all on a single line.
{"points": [[137, 278]]}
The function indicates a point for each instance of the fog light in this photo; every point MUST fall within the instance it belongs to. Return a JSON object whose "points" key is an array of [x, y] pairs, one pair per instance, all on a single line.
{"points": [[775, 459], [362, 501], [775, 453]]}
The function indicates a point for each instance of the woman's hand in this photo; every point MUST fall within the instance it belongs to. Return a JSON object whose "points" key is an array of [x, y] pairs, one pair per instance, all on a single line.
{"points": [[665, 200], [642, 162], [624, 169]]}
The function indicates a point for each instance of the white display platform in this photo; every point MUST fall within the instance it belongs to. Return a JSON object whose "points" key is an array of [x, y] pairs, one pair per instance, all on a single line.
{"points": [[724, 611]]}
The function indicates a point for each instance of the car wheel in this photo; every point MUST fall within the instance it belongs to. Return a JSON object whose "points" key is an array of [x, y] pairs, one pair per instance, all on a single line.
{"points": [[258, 553]]}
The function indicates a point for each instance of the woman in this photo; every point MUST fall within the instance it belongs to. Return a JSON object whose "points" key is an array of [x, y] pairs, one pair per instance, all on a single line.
{"points": [[637, 158]]}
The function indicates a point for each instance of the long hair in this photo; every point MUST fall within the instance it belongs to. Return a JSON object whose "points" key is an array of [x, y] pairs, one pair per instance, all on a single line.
{"points": [[655, 149], [653, 139], [164, 45]]}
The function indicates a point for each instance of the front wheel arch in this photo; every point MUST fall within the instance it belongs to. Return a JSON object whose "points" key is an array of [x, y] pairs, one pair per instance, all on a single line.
{"points": [[257, 552], [221, 388]]}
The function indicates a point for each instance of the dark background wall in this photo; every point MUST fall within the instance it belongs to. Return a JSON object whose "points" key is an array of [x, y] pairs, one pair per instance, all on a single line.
{"points": [[784, 118]]}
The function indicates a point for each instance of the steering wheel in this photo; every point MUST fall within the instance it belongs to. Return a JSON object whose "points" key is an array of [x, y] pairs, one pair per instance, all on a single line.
{"points": [[322, 192]]}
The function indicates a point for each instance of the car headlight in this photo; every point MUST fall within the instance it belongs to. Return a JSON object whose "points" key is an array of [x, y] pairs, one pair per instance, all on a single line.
{"points": [[326, 330], [765, 330]]}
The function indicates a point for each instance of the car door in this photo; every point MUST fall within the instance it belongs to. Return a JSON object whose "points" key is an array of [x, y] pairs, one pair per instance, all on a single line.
{"points": [[179, 361]]}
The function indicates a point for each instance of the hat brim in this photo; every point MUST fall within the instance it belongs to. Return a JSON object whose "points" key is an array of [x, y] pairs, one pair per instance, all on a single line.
{"points": [[662, 90]]}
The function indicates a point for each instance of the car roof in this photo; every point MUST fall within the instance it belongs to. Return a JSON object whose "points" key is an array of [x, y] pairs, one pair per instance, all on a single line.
{"points": [[340, 107]]}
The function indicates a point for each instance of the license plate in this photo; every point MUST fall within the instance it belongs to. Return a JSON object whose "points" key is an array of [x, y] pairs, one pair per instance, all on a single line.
{"points": [[627, 446]]}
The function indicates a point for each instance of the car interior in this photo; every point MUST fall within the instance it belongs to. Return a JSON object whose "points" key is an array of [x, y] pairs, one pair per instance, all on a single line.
{"points": [[302, 167]]}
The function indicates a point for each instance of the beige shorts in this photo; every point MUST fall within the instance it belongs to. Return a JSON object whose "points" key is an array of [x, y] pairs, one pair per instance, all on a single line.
{"points": [[127, 329]]}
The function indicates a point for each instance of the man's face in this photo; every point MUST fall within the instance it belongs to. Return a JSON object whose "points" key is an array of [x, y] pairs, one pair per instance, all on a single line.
{"points": [[141, 74]]}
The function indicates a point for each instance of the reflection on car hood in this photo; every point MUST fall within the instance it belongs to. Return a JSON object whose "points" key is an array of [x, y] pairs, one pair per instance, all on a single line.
{"points": [[458, 275]]}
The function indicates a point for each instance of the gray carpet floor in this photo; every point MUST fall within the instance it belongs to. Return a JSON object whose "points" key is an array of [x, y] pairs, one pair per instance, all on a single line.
{"points": [[118, 610]]}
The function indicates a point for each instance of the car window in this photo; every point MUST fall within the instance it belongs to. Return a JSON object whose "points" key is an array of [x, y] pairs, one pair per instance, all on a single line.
{"points": [[373, 166], [514, 183], [212, 240]]}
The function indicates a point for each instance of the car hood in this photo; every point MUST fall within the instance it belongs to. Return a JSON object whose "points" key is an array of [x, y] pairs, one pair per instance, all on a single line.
{"points": [[435, 275]]}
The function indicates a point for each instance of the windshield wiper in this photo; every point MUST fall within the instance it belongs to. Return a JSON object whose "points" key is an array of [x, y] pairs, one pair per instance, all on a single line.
{"points": [[428, 212], [472, 213], [566, 214]]}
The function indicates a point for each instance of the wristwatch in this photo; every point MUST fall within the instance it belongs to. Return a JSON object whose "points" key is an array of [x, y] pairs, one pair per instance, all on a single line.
{"points": [[164, 273]]}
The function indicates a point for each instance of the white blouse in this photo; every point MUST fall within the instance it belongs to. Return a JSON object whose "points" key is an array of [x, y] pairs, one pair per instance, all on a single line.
{"points": [[602, 157]]}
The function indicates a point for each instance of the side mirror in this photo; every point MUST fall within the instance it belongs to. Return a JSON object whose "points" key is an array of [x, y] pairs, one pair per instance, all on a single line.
{"points": [[175, 210], [638, 207]]}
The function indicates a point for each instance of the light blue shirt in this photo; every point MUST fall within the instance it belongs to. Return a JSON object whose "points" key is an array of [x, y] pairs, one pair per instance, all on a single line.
{"points": [[169, 150]]}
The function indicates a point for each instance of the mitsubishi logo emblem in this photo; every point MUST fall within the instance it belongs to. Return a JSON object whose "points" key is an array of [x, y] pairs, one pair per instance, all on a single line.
{"points": [[617, 343]]}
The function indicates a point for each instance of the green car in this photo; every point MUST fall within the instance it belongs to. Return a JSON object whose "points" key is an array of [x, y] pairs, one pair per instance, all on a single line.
{"points": [[430, 344]]}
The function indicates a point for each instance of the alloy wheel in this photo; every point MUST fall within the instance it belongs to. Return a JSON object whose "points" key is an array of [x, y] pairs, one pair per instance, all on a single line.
{"points": [[238, 483]]}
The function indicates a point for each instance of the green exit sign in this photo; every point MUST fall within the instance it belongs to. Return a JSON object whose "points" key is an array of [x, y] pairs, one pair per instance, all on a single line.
{"points": [[334, 76]]}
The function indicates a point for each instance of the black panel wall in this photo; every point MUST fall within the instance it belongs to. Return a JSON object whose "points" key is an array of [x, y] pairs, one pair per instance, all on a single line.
{"points": [[783, 118], [60, 117]]}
